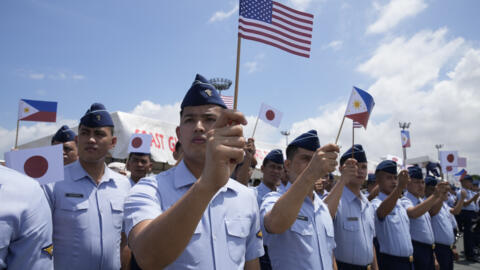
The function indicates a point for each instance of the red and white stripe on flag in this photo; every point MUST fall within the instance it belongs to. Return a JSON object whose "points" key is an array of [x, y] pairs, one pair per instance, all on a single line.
{"points": [[45, 164], [228, 100], [140, 143], [277, 25], [270, 115], [356, 124]]}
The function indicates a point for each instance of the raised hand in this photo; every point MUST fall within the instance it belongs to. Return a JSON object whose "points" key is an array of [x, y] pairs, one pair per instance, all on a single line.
{"points": [[323, 162], [403, 179], [225, 148]]}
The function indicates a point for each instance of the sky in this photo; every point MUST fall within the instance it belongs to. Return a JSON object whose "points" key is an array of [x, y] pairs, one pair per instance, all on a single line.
{"points": [[419, 59]]}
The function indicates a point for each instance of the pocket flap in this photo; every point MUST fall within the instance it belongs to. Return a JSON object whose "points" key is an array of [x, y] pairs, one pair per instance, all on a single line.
{"points": [[117, 205], [302, 227], [239, 227], [73, 204]]}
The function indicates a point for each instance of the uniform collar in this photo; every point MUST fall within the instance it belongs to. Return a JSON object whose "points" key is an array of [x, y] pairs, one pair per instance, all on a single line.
{"points": [[412, 198], [78, 172], [382, 196], [350, 197], [183, 177], [264, 187]]}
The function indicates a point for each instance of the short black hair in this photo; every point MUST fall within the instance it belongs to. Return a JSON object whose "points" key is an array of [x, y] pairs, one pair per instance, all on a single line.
{"points": [[178, 145], [291, 151], [141, 155]]}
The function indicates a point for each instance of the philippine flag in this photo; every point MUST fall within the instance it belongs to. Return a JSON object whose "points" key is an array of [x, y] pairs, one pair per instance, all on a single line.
{"points": [[36, 110], [461, 174], [359, 106], [45, 164], [405, 134]]}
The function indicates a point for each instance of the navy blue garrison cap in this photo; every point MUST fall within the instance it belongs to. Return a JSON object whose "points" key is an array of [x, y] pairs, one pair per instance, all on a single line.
{"points": [[276, 156], [430, 180], [308, 140], [202, 92], [97, 116], [371, 178], [358, 154], [468, 177], [64, 134], [415, 172], [388, 166]]}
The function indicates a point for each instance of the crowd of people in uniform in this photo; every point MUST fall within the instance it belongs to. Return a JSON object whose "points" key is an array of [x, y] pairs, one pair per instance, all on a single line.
{"points": [[202, 214]]}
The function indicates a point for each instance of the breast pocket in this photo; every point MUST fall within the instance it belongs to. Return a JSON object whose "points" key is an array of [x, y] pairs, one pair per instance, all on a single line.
{"points": [[394, 217], [351, 225], [238, 230], [302, 227], [117, 213], [74, 212]]}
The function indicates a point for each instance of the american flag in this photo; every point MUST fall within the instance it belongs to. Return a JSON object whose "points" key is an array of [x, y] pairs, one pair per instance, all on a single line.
{"points": [[357, 124], [228, 100], [275, 24]]}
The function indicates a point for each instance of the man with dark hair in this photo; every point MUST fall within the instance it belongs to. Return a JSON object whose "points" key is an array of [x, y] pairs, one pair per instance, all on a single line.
{"points": [[178, 153], [193, 216], [467, 215], [66, 136], [139, 165], [272, 171], [417, 208], [355, 220], [87, 207], [298, 224], [391, 219]]}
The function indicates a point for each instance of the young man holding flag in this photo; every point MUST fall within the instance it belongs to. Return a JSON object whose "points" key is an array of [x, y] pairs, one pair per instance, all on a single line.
{"points": [[193, 216]]}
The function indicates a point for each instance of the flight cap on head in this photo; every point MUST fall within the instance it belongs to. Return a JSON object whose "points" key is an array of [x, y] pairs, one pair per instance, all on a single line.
{"points": [[202, 92]]}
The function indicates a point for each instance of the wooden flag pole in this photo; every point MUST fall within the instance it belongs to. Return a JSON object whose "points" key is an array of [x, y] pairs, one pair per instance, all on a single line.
{"points": [[353, 138], [255, 127], [237, 71], [341, 125], [16, 136]]}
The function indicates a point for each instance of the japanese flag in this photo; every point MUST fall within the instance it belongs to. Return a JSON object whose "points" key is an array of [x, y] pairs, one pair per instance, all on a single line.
{"points": [[45, 164], [449, 158], [140, 143], [270, 115]]}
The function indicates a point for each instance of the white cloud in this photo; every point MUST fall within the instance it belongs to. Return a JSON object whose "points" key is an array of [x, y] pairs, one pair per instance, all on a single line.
{"points": [[28, 133], [222, 15], [409, 87], [393, 13], [78, 77], [303, 5], [36, 76], [334, 45], [254, 65], [168, 113]]}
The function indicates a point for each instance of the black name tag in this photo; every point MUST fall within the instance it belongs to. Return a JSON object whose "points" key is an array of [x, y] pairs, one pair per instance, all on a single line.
{"points": [[73, 195], [304, 218], [352, 218]]}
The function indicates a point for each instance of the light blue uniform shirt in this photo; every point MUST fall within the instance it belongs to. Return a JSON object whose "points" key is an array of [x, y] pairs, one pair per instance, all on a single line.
{"points": [[470, 194], [25, 223], [225, 237], [421, 227], [451, 200], [393, 232], [87, 219], [354, 227], [261, 190], [308, 243], [443, 227]]}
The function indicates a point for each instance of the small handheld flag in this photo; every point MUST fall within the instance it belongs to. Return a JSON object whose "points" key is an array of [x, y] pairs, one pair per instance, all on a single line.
{"points": [[405, 134], [45, 164], [359, 106], [270, 115], [140, 143], [461, 174], [36, 110]]}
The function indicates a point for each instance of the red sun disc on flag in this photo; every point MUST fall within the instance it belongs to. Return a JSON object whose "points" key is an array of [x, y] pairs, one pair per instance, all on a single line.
{"points": [[270, 115], [137, 142], [450, 158], [36, 166], [449, 168], [395, 159]]}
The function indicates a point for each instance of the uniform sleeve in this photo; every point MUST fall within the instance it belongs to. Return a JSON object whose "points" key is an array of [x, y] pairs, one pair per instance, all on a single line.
{"points": [[48, 191], [376, 203], [406, 203], [254, 241], [142, 203], [269, 201], [35, 235]]}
